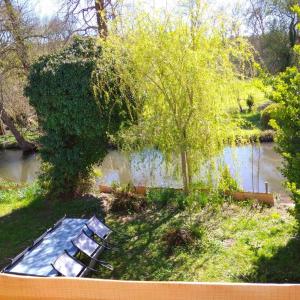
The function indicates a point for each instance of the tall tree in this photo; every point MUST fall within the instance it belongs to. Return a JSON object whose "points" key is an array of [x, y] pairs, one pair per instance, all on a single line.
{"points": [[76, 120], [15, 59], [273, 24], [286, 94], [22, 39], [101, 18], [90, 17], [16, 29], [182, 80]]}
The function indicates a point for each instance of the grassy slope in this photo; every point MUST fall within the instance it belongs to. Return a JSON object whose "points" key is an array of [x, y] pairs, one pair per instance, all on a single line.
{"points": [[237, 243], [236, 240]]}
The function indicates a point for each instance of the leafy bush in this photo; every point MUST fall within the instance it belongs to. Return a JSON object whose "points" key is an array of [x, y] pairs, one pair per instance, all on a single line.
{"points": [[127, 202], [267, 136], [197, 231], [165, 196], [196, 199], [76, 120], [246, 124], [250, 102], [267, 114], [227, 182], [286, 93], [254, 136]]}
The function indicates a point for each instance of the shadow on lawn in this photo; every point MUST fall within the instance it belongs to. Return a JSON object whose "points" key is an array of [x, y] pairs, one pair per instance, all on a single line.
{"points": [[20, 227], [282, 267]]}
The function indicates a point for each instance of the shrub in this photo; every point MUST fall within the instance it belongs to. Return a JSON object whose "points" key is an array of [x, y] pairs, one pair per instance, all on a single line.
{"points": [[165, 196], [267, 136], [196, 199], [267, 114], [286, 94], [181, 233], [177, 237], [250, 102], [246, 124], [197, 230], [227, 182], [126, 202], [76, 122]]}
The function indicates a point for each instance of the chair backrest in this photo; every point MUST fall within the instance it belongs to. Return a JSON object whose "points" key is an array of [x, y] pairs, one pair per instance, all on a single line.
{"points": [[67, 266], [98, 227], [85, 244]]}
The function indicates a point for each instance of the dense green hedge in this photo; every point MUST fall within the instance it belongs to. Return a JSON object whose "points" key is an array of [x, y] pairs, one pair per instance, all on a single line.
{"points": [[267, 114], [287, 123], [74, 120]]}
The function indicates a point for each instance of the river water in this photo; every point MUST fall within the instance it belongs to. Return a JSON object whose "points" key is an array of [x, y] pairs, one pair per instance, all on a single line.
{"points": [[252, 166]]}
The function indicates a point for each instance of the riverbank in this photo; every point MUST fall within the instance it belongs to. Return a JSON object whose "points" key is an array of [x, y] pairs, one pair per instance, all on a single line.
{"points": [[148, 168], [253, 136], [242, 136], [250, 128], [8, 141], [212, 240]]}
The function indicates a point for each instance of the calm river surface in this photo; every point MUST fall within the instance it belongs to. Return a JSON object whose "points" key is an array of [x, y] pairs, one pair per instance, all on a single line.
{"points": [[251, 166]]}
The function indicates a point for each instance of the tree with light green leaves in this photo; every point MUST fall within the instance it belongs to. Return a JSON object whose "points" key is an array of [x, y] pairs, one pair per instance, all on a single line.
{"points": [[183, 77]]}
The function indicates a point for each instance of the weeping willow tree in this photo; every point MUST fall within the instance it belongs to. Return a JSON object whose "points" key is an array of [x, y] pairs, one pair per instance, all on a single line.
{"points": [[183, 77]]}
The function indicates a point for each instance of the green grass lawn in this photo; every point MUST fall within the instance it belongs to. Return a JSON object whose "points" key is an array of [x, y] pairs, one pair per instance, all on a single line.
{"points": [[249, 128], [248, 124], [235, 242]]}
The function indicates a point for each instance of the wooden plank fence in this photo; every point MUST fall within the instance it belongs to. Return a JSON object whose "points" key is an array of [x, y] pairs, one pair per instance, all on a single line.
{"points": [[37, 288]]}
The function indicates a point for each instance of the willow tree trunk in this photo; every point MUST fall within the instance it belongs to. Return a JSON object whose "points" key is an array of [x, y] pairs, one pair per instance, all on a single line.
{"points": [[185, 173], [189, 167]]}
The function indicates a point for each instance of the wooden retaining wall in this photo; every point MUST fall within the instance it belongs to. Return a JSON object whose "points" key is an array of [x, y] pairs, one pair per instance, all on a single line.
{"points": [[37, 288], [266, 198], [261, 197]]}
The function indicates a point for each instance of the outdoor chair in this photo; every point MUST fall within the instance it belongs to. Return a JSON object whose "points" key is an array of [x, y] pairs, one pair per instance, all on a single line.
{"points": [[101, 230], [89, 247], [98, 228], [68, 266]]}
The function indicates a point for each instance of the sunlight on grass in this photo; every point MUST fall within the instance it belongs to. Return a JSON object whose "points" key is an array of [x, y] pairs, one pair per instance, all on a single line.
{"points": [[235, 238], [235, 242]]}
